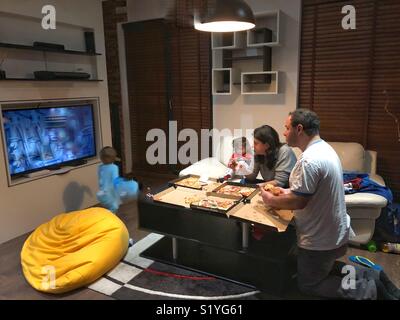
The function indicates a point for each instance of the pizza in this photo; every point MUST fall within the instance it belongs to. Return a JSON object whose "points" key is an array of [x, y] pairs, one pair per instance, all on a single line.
{"points": [[213, 203], [211, 186], [191, 182], [193, 198], [238, 191], [271, 188]]}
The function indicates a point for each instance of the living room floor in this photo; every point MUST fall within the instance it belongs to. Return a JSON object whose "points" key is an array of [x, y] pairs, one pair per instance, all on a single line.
{"points": [[14, 286]]}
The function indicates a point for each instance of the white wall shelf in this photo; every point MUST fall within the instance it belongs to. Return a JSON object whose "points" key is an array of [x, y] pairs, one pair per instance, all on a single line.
{"points": [[228, 40], [222, 81], [266, 32], [245, 58], [265, 82]]}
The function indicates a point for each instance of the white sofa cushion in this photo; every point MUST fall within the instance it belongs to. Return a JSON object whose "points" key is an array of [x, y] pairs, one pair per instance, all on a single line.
{"points": [[362, 199], [211, 166], [351, 155]]}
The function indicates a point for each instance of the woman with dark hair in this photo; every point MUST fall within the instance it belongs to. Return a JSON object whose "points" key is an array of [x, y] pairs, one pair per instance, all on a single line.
{"points": [[273, 159]]}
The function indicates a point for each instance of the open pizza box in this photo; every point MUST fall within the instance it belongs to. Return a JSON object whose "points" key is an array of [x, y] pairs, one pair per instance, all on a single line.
{"points": [[191, 181], [179, 196], [197, 199], [182, 195], [255, 211], [246, 191]]}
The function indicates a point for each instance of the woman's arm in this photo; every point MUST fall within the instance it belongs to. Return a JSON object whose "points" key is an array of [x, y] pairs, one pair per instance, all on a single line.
{"points": [[284, 165], [253, 176]]}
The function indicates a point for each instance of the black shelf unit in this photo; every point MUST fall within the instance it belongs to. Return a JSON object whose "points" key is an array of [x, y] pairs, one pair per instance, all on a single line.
{"points": [[43, 49], [265, 55], [255, 57]]}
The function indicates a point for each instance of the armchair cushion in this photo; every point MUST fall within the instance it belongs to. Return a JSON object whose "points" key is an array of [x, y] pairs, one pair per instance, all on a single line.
{"points": [[351, 155]]}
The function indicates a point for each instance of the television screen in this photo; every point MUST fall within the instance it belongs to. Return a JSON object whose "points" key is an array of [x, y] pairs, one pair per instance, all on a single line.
{"points": [[45, 137]]}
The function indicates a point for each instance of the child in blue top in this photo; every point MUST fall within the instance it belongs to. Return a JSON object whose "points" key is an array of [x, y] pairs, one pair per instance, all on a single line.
{"points": [[108, 172]]}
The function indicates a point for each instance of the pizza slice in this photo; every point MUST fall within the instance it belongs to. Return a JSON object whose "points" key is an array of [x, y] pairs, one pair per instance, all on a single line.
{"points": [[271, 188]]}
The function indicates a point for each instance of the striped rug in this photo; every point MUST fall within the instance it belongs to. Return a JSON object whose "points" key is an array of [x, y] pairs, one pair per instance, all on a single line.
{"points": [[137, 278]]}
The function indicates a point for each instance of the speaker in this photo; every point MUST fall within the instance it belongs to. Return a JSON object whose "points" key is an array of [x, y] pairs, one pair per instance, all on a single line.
{"points": [[89, 42]]}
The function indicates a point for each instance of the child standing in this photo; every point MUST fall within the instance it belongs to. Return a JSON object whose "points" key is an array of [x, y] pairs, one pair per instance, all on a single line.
{"points": [[107, 173]]}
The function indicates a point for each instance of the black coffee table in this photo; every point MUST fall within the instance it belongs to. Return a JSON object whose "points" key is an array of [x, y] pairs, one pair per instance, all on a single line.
{"points": [[213, 244]]}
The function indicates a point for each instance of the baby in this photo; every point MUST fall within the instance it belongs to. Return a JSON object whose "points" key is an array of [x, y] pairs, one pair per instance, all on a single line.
{"points": [[240, 162]]}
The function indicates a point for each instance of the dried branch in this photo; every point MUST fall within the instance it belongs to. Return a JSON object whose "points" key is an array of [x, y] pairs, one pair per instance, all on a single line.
{"points": [[396, 120], [2, 58]]}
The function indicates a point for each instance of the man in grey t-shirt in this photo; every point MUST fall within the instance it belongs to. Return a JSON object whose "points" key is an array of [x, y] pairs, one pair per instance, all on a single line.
{"points": [[316, 195]]}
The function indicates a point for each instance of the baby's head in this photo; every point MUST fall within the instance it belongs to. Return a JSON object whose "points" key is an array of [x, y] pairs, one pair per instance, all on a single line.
{"points": [[241, 145], [108, 155]]}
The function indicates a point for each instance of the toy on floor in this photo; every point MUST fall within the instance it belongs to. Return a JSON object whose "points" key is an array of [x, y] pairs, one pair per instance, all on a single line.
{"points": [[371, 246], [113, 189], [365, 262], [73, 249]]}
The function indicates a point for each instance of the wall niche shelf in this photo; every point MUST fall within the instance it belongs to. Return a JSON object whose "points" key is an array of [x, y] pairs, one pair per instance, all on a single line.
{"points": [[222, 79], [37, 48], [245, 58]]}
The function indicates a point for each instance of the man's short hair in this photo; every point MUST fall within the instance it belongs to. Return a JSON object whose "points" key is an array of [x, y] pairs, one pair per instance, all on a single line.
{"points": [[307, 118]]}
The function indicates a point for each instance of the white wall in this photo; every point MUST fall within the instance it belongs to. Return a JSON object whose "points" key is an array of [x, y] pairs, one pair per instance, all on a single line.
{"points": [[250, 111], [23, 207]]}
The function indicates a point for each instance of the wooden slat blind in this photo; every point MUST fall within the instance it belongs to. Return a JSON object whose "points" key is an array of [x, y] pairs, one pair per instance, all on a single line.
{"points": [[190, 70], [168, 67], [343, 74], [145, 45]]}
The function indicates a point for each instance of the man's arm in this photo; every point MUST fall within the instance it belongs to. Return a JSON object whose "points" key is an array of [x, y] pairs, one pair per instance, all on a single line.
{"points": [[286, 200]]}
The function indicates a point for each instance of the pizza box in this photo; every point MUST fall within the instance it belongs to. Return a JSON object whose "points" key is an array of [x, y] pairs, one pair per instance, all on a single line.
{"points": [[217, 197], [256, 211], [237, 184], [179, 182], [179, 196]]}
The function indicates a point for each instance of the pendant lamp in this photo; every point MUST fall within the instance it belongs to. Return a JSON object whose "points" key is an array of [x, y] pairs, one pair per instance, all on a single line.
{"points": [[225, 16]]}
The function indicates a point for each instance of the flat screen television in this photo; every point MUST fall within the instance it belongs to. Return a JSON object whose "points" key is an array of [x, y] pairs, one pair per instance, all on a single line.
{"points": [[43, 138]]}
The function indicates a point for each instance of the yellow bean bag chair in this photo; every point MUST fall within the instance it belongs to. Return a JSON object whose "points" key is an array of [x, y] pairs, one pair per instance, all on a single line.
{"points": [[73, 250]]}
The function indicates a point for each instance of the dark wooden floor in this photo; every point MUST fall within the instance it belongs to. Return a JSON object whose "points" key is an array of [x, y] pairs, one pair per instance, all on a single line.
{"points": [[14, 286]]}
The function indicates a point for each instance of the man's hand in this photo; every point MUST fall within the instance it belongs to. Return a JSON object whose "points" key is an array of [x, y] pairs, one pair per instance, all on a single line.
{"points": [[285, 200], [267, 196], [282, 190]]}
